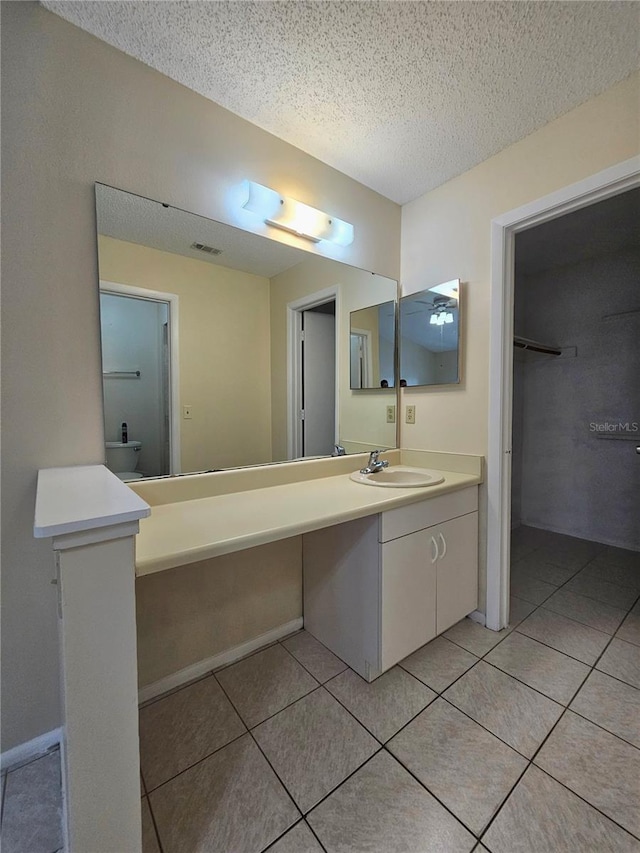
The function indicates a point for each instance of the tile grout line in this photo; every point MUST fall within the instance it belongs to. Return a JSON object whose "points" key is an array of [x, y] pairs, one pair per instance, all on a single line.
{"points": [[290, 829], [155, 825], [435, 797], [195, 763], [548, 735], [348, 710], [566, 708], [273, 770], [3, 792], [306, 668], [382, 748]]}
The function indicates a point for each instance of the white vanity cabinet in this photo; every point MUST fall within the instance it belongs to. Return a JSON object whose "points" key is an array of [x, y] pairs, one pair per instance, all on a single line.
{"points": [[378, 588]]}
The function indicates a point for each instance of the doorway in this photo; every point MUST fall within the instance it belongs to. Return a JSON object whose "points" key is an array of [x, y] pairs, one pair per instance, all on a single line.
{"points": [[607, 184], [312, 373], [140, 373]]}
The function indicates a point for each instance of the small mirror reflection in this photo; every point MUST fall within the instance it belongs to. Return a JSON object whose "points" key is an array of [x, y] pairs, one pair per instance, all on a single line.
{"points": [[372, 346], [430, 336]]}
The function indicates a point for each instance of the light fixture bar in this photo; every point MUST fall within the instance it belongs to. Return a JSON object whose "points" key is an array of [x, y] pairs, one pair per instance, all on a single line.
{"points": [[296, 217]]}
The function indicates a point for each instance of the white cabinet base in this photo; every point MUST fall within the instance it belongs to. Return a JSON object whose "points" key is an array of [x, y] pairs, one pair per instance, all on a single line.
{"points": [[377, 589]]}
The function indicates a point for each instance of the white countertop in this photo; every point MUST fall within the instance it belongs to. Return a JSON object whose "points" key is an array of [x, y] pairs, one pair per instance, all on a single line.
{"points": [[191, 530], [83, 497]]}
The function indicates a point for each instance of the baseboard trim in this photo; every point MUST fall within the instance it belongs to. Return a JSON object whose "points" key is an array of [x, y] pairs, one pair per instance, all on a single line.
{"points": [[479, 617], [614, 543], [24, 752], [202, 667]]}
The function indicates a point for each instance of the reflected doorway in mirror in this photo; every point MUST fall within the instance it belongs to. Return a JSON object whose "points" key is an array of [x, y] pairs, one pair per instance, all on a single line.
{"points": [[140, 376]]}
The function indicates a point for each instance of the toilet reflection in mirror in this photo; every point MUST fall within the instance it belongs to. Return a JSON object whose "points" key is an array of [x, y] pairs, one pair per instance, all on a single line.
{"points": [[429, 339], [215, 376]]}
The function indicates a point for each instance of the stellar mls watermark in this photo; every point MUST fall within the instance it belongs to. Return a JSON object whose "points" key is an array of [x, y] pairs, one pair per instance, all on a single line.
{"points": [[614, 426]]}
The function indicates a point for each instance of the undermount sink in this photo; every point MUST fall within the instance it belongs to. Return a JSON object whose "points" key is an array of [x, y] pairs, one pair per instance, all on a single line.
{"points": [[399, 477]]}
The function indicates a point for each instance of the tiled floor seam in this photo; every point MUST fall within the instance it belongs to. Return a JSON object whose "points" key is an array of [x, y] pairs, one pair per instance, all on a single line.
{"points": [[306, 668], [580, 797], [360, 723], [546, 695], [275, 713], [303, 820], [3, 785], [430, 792], [586, 624], [497, 737], [542, 643], [273, 770], [600, 726], [155, 825], [535, 755], [266, 758], [195, 764]]}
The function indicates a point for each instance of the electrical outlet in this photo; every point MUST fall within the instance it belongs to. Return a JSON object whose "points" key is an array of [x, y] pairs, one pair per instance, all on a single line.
{"points": [[187, 412], [391, 414], [410, 414]]}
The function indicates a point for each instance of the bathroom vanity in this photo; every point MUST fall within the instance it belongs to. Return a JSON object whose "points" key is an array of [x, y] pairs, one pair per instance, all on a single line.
{"points": [[378, 588], [384, 569]]}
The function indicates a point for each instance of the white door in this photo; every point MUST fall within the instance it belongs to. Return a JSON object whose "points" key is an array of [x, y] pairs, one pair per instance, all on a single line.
{"points": [[318, 383], [457, 578], [408, 597]]}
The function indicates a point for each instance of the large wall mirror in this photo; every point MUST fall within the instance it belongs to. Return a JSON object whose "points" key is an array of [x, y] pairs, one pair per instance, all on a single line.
{"points": [[222, 348], [430, 336]]}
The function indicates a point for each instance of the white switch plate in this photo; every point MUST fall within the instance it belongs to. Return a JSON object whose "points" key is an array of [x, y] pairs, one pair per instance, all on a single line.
{"points": [[410, 414], [187, 412], [391, 414]]}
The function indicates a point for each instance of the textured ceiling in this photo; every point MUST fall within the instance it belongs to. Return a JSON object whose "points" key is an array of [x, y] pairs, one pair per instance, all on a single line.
{"points": [[129, 217], [401, 96], [609, 226]]}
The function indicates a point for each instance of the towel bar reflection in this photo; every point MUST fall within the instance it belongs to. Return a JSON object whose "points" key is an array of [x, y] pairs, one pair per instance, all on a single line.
{"points": [[121, 374]]}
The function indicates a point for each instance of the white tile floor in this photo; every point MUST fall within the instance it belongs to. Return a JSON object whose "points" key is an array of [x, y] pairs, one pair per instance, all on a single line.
{"points": [[527, 739]]}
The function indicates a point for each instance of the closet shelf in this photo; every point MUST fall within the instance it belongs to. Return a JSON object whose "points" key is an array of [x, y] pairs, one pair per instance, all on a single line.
{"points": [[535, 346]]}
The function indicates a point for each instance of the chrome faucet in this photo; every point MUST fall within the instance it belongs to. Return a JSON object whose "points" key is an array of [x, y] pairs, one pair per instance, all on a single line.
{"points": [[374, 464]]}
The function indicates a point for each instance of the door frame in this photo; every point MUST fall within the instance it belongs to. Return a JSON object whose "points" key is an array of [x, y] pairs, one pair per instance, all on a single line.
{"points": [[605, 184], [294, 364], [366, 335], [174, 359]]}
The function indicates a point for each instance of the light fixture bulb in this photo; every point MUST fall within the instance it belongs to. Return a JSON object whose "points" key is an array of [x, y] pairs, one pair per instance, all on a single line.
{"points": [[433, 320], [295, 217]]}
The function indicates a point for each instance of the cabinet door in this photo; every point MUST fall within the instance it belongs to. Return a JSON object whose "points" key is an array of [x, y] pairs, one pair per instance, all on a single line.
{"points": [[408, 596], [457, 571]]}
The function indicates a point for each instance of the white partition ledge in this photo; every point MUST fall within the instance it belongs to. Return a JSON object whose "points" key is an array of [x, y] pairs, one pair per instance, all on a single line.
{"points": [[84, 497], [92, 518]]}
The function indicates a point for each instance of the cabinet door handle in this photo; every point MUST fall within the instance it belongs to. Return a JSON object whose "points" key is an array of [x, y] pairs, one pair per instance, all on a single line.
{"points": [[434, 550], [444, 546]]}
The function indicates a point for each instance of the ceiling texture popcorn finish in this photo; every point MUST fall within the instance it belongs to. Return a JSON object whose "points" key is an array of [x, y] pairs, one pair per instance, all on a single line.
{"points": [[401, 96]]}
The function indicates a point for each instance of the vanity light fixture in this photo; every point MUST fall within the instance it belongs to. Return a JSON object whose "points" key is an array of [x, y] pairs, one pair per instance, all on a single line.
{"points": [[294, 216]]}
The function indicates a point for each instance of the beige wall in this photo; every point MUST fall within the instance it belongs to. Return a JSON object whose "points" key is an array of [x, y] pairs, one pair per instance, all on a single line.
{"points": [[188, 614], [362, 414], [75, 111], [224, 346], [446, 235]]}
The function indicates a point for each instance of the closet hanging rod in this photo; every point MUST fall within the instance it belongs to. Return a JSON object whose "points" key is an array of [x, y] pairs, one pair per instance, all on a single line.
{"points": [[121, 373], [535, 346]]}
